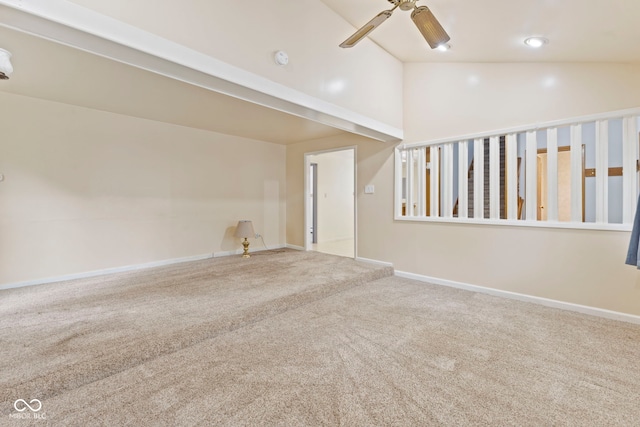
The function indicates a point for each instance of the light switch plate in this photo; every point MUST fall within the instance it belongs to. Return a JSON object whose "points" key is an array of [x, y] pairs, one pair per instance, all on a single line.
{"points": [[369, 189]]}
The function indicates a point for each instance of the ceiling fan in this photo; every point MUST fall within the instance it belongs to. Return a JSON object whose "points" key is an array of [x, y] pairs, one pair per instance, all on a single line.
{"points": [[421, 16]]}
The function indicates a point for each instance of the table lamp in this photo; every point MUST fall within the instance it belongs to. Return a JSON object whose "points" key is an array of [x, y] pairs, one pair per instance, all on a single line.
{"points": [[244, 230]]}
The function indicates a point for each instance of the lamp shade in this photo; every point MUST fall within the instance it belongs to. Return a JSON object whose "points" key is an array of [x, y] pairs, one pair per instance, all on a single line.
{"points": [[244, 229], [5, 64]]}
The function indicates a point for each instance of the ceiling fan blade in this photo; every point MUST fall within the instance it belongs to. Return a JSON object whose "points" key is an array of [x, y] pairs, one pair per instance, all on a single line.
{"points": [[367, 28], [429, 26]]}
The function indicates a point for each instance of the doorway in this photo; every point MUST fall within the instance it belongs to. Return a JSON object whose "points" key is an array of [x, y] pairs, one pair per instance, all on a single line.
{"points": [[313, 187], [330, 203], [564, 184]]}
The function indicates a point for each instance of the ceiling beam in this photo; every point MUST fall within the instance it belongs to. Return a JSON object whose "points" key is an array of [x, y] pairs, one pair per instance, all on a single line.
{"points": [[71, 25]]}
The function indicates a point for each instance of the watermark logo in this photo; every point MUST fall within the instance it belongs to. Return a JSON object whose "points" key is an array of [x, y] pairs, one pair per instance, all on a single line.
{"points": [[21, 405], [28, 410]]}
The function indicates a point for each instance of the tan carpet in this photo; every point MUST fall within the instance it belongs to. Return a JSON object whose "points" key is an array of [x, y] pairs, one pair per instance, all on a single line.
{"points": [[224, 343], [59, 336]]}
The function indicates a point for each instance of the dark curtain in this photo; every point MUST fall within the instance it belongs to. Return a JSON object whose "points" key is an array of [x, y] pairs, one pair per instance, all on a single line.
{"points": [[632, 254]]}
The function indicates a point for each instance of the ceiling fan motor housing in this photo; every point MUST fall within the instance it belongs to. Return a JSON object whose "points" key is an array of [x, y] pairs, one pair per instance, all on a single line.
{"points": [[404, 4]]}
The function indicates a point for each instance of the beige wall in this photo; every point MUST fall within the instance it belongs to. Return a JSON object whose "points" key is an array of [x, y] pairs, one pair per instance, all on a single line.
{"points": [[87, 190], [580, 267], [371, 157], [247, 35]]}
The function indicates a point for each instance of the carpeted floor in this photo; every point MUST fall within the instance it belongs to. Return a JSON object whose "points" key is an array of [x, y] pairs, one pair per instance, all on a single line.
{"points": [[301, 338]]}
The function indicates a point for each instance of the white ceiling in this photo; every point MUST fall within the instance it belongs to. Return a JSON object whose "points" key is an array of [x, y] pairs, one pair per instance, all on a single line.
{"points": [[60, 73], [494, 30]]}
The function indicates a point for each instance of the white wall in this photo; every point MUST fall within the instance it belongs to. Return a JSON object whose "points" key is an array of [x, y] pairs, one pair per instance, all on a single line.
{"points": [[87, 190], [444, 100], [335, 195]]}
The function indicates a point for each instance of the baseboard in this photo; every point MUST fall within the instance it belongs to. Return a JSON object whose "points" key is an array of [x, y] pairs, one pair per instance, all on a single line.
{"points": [[584, 309], [240, 251], [337, 239], [593, 311], [94, 273], [297, 248], [374, 261], [126, 268]]}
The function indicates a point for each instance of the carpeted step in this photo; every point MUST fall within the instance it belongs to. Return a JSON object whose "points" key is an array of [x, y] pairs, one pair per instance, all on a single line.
{"points": [[65, 335]]}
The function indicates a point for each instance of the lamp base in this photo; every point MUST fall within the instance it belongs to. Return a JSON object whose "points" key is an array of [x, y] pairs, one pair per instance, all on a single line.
{"points": [[245, 244]]}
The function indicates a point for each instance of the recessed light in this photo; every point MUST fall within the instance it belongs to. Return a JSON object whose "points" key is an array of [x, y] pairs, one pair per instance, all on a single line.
{"points": [[444, 47], [536, 42]]}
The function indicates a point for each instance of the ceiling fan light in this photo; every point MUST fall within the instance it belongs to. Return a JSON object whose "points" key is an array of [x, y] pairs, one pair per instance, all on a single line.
{"points": [[366, 29], [429, 26]]}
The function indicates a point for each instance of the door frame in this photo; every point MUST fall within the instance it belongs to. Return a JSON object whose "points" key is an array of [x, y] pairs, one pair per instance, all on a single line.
{"points": [[307, 204], [313, 170]]}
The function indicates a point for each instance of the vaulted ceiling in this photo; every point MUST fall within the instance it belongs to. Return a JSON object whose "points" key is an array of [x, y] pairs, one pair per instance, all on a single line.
{"points": [[487, 31], [494, 30]]}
